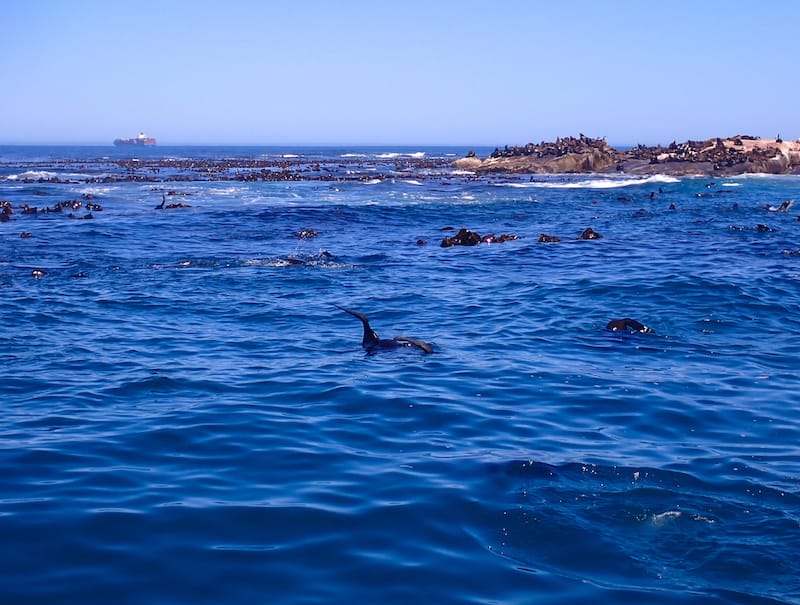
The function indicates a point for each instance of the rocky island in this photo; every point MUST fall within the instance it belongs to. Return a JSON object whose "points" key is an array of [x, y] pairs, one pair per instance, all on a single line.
{"points": [[713, 157]]}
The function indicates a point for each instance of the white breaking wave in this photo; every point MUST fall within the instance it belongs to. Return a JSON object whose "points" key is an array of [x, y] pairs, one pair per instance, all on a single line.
{"points": [[372, 182], [673, 516], [34, 175], [593, 183], [354, 155], [412, 182], [397, 154], [224, 191], [97, 190]]}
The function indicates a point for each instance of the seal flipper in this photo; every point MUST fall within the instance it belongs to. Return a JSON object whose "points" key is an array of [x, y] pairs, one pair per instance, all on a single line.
{"points": [[370, 338], [416, 343], [372, 343]]}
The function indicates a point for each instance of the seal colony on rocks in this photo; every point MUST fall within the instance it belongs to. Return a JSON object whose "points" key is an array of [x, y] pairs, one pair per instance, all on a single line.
{"points": [[372, 343], [740, 154]]}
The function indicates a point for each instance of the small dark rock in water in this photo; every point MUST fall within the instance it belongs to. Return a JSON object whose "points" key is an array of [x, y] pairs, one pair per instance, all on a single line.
{"points": [[544, 238], [38, 273], [627, 325], [763, 228], [589, 233], [307, 233], [671, 206], [94, 207], [25, 235], [421, 241], [640, 213]]}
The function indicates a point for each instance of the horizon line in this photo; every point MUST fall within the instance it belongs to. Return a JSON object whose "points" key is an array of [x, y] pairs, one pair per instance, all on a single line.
{"points": [[343, 144]]}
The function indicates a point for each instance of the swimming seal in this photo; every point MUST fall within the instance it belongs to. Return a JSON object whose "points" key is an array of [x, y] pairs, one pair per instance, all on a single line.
{"points": [[784, 207], [590, 233], [627, 325], [372, 343]]}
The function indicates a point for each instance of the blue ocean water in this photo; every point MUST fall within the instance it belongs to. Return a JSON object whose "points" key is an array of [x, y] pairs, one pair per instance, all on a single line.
{"points": [[187, 417]]}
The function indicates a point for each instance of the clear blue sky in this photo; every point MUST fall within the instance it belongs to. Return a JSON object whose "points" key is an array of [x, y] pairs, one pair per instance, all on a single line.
{"points": [[457, 72]]}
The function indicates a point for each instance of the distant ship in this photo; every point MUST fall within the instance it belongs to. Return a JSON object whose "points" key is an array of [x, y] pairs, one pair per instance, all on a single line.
{"points": [[142, 139]]}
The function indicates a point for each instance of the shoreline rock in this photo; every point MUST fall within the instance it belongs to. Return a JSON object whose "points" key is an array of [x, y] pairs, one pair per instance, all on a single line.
{"points": [[582, 155]]}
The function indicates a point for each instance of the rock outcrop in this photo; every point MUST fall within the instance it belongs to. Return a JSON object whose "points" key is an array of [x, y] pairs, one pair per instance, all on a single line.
{"points": [[714, 157], [567, 155]]}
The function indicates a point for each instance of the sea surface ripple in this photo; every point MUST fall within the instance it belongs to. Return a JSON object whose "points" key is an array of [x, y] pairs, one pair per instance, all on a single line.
{"points": [[187, 417]]}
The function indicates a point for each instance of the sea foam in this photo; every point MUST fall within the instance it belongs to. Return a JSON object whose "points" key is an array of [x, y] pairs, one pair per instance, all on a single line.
{"points": [[593, 183], [398, 154]]}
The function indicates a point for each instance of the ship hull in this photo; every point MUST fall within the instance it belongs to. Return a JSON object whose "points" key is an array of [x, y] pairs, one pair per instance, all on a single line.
{"points": [[135, 142]]}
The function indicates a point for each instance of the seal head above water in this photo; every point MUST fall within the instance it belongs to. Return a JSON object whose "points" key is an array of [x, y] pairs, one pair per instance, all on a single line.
{"points": [[627, 325], [372, 343]]}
